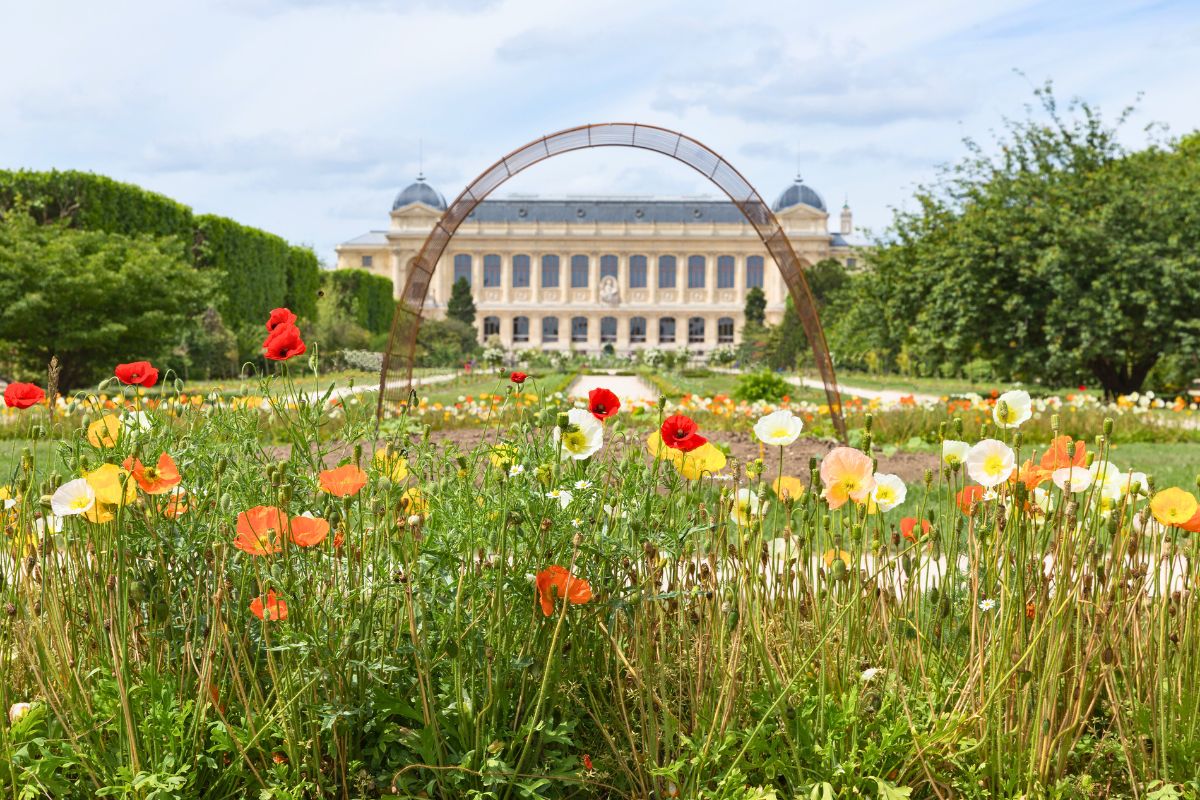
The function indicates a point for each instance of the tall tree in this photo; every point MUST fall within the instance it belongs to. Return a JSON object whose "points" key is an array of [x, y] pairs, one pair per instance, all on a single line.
{"points": [[756, 307], [461, 305], [1057, 257]]}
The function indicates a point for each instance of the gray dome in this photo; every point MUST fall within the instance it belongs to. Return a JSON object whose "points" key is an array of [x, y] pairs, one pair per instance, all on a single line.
{"points": [[799, 192], [420, 192]]}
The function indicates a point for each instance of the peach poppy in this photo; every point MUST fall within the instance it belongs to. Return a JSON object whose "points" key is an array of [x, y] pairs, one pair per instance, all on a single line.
{"points": [[308, 531], [258, 530], [272, 608], [345, 481], [159, 479], [555, 581], [848, 474]]}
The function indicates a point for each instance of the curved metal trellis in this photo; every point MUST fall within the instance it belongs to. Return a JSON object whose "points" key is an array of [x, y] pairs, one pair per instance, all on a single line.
{"points": [[402, 343]]}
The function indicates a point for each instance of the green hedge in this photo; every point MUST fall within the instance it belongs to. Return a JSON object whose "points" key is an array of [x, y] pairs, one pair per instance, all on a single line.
{"points": [[94, 202], [257, 270], [366, 298]]}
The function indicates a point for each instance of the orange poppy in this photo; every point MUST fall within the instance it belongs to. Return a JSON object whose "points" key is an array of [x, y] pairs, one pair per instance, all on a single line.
{"points": [[555, 581], [1056, 456], [908, 526], [272, 609], [345, 481], [308, 531], [969, 496], [158, 479], [1192, 524], [258, 530], [177, 504]]}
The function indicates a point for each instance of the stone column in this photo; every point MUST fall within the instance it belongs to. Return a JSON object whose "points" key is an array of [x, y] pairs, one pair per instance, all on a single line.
{"points": [[710, 277], [594, 277], [535, 285], [506, 278], [652, 278], [622, 343]]}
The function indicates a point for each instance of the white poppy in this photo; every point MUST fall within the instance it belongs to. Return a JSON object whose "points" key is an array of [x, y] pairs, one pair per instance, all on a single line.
{"points": [[779, 428], [561, 495], [18, 710], [889, 491], [954, 452], [990, 462], [1077, 479], [47, 524], [583, 437], [72, 498], [747, 508], [1017, 405]]}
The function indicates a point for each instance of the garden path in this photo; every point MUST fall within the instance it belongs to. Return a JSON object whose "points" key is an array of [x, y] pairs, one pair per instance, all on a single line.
{"points": [[886, 395], [371, 386], [628, 388]]}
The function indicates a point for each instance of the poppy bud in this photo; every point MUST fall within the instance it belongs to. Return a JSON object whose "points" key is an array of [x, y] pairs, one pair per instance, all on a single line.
{"points": [[958, 427], [868, 421], [928, 479], [662, 402], [1054, 423], [1108, 426], [1017, 439], [358, 452], [1002, 409], [563, 422]]}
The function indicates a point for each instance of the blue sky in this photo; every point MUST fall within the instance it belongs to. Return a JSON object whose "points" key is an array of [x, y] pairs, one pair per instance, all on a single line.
{"points": [[304, 116]]}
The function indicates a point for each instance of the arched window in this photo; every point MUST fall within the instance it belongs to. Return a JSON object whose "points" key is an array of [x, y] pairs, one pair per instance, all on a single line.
{"points": [[491, 326], [520, 272], [697, 265], [549, 272], [579, 272], [637, 330], [754, 272], [579, 329], [725, 272], [666, 272], [608, 266], [666, 330], [491, 270], [696, 330], [549, 329], [725, 330], [608, 330], [462, 267], [637, 272], [520, 329]]}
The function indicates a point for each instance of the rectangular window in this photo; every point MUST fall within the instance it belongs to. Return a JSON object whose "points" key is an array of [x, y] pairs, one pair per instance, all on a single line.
{"points": [[608, 266], [491, 326], [696, 330], [579, 272], [462, 267], [725, 330], [549, 272], [637, 330], [725, 272], [608, 330], [637, 272], [666, 272], [697, 265], [520, 272], [549, 329], [579, 327], [367, 261], [754, 272], [666, 331], [491, 270], [520, 327]]}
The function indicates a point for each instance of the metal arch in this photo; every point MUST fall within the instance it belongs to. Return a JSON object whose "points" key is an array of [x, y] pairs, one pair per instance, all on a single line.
{"points": [[402, 342]]}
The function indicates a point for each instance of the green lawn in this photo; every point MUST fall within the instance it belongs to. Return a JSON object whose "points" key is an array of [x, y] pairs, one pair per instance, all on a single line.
{"points": [[941, 386]]}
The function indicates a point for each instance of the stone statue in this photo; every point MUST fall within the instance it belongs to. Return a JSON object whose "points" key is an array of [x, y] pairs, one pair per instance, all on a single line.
{"points": [[610, 293]]}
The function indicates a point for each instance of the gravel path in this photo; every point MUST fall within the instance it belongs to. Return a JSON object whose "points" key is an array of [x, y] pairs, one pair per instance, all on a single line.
{"points": [[627, 388], [887, 395]]}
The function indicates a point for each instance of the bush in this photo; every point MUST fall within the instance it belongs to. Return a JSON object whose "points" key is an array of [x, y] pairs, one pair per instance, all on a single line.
{"points": [[766, 386], [363, 297], [445, 343], [210, 349]]}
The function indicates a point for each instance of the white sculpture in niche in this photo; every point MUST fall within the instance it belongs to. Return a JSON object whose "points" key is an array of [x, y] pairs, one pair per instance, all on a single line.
{"points": [[610, 293]]}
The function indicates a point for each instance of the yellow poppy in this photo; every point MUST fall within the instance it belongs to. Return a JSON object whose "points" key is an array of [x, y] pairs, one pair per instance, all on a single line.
{"points": [[1173, 506], [105, 431]]}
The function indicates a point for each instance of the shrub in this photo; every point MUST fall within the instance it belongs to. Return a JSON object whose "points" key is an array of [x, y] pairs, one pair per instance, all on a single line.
{"points": [[363, 297], [762, 385]]}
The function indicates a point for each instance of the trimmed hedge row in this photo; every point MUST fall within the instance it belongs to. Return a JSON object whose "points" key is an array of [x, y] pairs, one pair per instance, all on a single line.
{"points": [[365, 297], [258, 270]]}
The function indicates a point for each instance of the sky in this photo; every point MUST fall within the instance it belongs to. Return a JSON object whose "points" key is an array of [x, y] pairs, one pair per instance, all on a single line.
{"points": [[306, 117]]}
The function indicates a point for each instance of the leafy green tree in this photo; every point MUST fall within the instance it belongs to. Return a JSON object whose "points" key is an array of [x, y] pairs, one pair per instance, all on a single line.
{"points": [[93, 298], [445, 342], [210, 348], [461, 305], [1058, 258], [756, 307]]}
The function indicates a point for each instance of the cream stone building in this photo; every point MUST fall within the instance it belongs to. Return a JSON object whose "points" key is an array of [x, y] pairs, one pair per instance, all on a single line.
{"points": [[587, 272]]}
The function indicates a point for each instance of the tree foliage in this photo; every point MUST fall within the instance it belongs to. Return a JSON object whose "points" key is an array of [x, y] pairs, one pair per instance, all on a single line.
{"points": [[1060, 257], [461, 305], [755, 312], [364, 297], [93, 298]]}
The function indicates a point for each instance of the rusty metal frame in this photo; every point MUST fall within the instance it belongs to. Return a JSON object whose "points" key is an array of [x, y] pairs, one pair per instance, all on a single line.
{"points": [[402, 342]]}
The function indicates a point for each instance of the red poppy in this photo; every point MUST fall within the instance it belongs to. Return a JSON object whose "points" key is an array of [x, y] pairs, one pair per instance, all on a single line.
{"points": [[308, 531], [158, 479], [272, 609], [587, 762], [680, 433], [969, 496], [555, 581], [23, 395], [258, 530], [280, 316], [345, 481], [138, 373], [909, 524], [518, 378], [283, 343], [603, 403]]}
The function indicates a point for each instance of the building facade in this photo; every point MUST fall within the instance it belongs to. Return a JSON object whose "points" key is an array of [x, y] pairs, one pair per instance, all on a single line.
{"points": [[584, 273]]}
